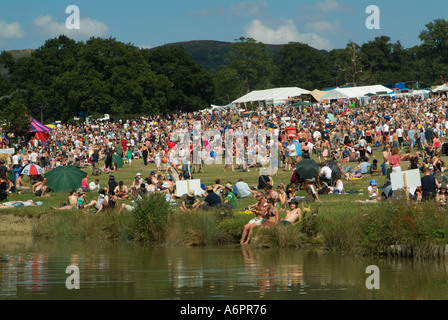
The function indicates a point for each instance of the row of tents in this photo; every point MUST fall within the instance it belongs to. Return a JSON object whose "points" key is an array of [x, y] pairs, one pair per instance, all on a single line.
{"points": [[280, 96]]}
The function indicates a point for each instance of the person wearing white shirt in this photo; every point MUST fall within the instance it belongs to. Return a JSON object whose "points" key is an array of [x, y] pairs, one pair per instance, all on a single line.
{"points": [[33, 157], [94, 185], [291, 155], [399, 132], [243, 189], [325, 174], [16, 161]]}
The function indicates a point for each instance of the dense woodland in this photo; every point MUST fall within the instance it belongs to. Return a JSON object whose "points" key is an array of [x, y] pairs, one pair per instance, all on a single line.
{"points": [[64, 79]]}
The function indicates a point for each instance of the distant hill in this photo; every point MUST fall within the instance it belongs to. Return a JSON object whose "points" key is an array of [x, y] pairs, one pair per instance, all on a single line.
{"points": [[211, 54]]}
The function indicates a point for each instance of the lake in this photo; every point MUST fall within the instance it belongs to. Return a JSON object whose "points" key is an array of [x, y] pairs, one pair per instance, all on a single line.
{"points": [[37, 270]]}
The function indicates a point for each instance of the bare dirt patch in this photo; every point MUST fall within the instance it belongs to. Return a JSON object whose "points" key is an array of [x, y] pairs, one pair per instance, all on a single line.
{"points": [[12, 224]]}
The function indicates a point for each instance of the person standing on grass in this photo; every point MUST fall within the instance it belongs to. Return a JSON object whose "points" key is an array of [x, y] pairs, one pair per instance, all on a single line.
{"points": [[291, 155]]}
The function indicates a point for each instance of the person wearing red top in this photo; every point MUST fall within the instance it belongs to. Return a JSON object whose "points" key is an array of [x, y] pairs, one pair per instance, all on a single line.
{"points": [[124, 145], [394, 160]]}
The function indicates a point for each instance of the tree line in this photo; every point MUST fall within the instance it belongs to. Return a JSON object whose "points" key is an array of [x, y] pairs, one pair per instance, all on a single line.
{"points": [[64, 79]]}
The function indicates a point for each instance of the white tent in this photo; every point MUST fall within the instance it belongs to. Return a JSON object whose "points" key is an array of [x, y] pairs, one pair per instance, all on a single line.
{"points": [[219, 108], [442, 88], [274, 96], [317, 94], [354, 92]]}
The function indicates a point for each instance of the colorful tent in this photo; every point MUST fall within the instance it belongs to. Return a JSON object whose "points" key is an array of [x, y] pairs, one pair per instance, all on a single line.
{"points": [[41, 131]]}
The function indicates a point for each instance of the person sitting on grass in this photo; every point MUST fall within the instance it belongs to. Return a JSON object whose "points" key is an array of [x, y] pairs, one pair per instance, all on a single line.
{"points": [[40, 188], [94, 185], [271, 194], [374, 170], [189, 202], [291, 190], [338, 187], [121, 191], [259, 209], [230, 197], [101, 204], [282, 196], [212, 200], [373, 190], [311, 192], [21, 185], [82, 200], [72, 202], [272, 213], [293, 215]]}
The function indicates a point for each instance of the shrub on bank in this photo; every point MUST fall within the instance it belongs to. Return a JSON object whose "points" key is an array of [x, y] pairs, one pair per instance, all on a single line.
{"points": [[151, 219], [198, 228], [80, 225], [400, 224]]}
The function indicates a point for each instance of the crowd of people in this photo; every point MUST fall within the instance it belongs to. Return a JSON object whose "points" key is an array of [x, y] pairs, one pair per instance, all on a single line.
{"points": [[407, 129]]}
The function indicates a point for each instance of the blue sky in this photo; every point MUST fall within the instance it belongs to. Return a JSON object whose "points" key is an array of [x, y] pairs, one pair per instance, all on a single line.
{"points": [[323, 24]]}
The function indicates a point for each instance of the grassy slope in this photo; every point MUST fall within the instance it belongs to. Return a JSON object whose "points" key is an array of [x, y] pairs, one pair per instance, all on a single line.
{"points": [[331, 204]]}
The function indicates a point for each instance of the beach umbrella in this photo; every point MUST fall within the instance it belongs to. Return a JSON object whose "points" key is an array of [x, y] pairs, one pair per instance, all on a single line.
{"points": [[334, 168], [118, 160], [64, 178], [32, 170], [307, 168]]}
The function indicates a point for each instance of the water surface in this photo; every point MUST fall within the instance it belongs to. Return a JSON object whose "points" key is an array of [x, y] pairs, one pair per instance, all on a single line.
{"points": [[35, 270]]}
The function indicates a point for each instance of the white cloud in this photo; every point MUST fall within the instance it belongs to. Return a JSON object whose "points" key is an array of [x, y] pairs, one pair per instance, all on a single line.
{"points": [[248, 8], [329, 6], [11, 30], [324, 26], [49, 26], [285, 33], [145, 46]]}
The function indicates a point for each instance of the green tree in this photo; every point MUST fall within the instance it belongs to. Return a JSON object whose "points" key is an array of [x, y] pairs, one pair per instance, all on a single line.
{"points": [[193, 88], [15, 117], [249, 67], [302, 66], [110, 77], [433, 53], [435, 38]]}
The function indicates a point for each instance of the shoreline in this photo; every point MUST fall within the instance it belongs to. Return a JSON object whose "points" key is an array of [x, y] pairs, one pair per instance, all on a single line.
{"points": [[12, 224]]}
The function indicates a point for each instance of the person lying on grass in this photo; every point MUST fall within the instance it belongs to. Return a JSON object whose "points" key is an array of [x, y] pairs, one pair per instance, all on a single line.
{"points": [[17, 204]]}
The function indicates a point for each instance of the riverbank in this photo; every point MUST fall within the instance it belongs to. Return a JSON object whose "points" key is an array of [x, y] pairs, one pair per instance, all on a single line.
{"points": [[396, 229], [12, 224], [341, 223]]}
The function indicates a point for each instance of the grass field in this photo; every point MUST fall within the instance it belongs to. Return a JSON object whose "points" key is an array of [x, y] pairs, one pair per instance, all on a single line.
{"points": [[342, 224], [330, 204]]}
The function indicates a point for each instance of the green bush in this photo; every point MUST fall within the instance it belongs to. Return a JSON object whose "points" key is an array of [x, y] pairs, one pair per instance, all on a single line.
{"points": [[197, 228], [419, 226], [279, 236], [151, 218]]}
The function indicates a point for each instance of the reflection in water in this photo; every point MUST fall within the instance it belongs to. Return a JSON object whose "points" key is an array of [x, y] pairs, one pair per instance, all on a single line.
{"points": [[122, 271]]}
